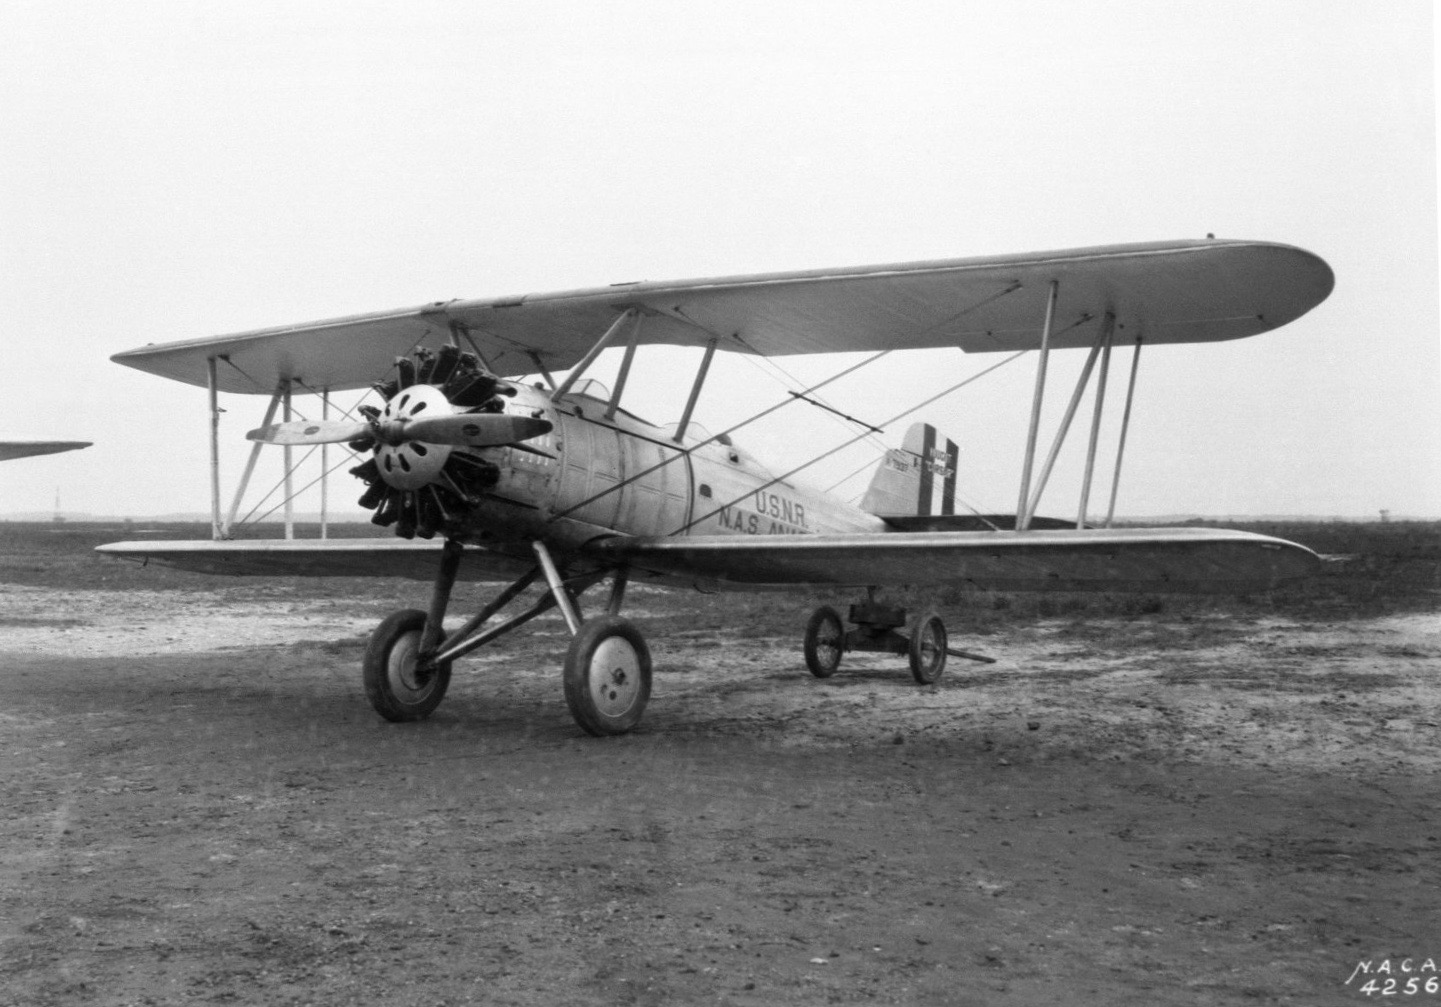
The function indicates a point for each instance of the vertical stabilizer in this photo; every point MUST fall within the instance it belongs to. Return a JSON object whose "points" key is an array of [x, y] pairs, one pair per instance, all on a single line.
{"points": [[916, 479]]}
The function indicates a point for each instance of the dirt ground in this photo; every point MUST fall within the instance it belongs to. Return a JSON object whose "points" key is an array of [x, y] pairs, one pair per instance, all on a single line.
{"points": [[1180, 806]]}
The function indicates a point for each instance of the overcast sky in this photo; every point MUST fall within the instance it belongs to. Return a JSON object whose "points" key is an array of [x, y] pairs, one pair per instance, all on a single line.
{"points": [[175, 170]]}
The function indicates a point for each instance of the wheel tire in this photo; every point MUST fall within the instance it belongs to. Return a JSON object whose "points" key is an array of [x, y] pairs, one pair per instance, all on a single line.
{"points": [[607, 676], [824, 642], [928, 648], [391, 683]]}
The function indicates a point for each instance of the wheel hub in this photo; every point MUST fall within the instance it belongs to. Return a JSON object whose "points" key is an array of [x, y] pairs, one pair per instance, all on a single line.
{"points": [[408, 678], [615, 676]]}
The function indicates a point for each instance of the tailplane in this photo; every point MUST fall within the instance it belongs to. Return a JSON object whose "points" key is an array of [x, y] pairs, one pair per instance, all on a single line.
{"points": [[916, 479]]}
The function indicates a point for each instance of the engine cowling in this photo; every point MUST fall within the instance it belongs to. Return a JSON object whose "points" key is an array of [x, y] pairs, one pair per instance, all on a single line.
{"points": [[417, 487]]}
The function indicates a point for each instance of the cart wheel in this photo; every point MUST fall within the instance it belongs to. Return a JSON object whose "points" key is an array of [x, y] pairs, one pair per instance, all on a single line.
{"points": [[928, 648], [394, 685], [607, 676], [825, 639]]}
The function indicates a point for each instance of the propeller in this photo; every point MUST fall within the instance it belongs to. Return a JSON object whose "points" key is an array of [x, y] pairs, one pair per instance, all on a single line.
{"points": [[317, 432], [474, 430], [421, 477]]}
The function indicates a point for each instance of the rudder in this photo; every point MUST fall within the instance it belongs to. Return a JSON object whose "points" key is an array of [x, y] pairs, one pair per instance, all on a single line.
{"points": [[905, 482]]}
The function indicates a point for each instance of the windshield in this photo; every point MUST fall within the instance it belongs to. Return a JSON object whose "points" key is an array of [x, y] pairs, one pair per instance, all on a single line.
{"points": [[591, 389]]}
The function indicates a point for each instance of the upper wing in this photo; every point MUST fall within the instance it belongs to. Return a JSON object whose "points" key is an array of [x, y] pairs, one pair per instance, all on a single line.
{"points": [[1130, 559], [417, 560], [25, 448], [1169, 292]]}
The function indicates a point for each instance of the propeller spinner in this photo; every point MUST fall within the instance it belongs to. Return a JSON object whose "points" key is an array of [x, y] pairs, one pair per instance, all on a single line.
{"points": [[404, 461]]}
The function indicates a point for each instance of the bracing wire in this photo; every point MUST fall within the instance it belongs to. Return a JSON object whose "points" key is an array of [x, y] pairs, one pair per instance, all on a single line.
{"points": [[821, 457], [786, 379], [251, 516], [868, 463], [681, 451]]}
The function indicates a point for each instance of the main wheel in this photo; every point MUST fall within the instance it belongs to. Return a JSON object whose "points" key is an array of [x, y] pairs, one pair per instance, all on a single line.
{"points": [[607, 676], [825, 639], [395, 686], [928, 648]]}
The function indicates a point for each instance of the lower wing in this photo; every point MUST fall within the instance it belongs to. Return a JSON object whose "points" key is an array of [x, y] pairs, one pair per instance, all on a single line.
{"points": [[1130, 559]]}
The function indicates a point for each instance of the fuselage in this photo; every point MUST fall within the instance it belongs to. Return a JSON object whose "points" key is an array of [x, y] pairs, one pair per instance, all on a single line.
{"points": [[607, 472]]}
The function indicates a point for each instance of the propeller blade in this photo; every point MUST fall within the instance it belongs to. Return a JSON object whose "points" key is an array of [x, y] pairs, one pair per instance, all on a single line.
{"points": [[314, 432], [475, 430]]}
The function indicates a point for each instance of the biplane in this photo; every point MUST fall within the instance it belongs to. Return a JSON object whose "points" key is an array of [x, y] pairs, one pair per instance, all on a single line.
{"points": [[494, 457], [27, 447]]}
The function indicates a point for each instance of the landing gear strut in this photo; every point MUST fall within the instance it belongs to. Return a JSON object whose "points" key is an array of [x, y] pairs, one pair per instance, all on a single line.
{"points": [[877, 630], [607, 668]]}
